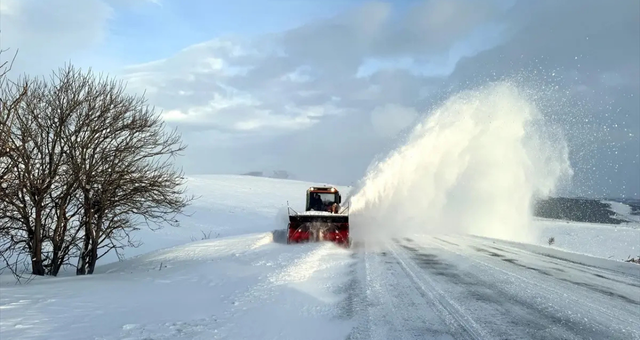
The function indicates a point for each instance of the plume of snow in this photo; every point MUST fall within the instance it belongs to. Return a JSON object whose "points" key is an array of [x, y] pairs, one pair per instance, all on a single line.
{"points": [[474, 165]]}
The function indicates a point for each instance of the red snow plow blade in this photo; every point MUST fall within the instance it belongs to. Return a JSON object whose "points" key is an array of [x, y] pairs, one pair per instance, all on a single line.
{"points": [[316, 227]]}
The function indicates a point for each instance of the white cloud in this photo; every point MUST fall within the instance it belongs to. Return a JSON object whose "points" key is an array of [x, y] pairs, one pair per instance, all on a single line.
{"points": [[312, 68], [134, 3], [437, 24], [391, 119], [48, 33]]}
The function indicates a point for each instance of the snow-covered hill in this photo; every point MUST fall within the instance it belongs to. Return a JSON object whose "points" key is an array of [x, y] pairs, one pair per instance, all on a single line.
{"points": [[239, 284]]}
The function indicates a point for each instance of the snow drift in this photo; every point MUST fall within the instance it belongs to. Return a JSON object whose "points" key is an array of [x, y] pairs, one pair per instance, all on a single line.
{"points": [[473, 166]]}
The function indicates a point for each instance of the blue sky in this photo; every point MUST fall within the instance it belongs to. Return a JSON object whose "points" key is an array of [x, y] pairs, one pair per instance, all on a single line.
{"points": [[141, 31], [153, 31]]}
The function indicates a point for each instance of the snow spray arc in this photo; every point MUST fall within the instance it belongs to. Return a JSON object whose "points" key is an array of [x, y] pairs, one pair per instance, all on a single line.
{"points": [[474, 165]]}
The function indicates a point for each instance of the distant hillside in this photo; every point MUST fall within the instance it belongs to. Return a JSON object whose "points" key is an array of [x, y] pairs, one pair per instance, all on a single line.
{"points": [[282, 174], [577, 209]]}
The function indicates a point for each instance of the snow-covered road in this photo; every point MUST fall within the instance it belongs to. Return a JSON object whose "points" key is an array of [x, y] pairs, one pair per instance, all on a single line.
{"points": [[472, 288]]}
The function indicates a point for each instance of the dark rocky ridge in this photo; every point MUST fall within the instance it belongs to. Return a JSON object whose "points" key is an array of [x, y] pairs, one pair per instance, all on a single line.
{"points": [[580, 210]]}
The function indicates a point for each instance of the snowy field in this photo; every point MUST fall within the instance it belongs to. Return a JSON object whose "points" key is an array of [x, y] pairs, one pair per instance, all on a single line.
{"points": [[229, 205], [623, 212], [610, 241], [239, 284]]}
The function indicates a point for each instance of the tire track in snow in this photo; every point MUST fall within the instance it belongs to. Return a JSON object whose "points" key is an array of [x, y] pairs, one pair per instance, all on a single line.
{"points": [[448, 309], [444, 289], [528, 293], [612, 287], [398, 304], [596, 291], [377, 305]]}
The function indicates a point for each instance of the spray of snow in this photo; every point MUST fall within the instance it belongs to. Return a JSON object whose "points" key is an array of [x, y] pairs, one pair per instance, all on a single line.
{"points": [[474, 165]]}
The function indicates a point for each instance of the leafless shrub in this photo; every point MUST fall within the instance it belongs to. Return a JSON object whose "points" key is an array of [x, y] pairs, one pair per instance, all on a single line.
{"points": [[633, 259], [205, 236]]}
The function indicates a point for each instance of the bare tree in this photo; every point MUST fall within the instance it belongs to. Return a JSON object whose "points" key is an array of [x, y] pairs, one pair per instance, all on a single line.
{"points": [[26, 184], [35, 197], [121, 155], [9, 100], [11, 251], [86, 163]]}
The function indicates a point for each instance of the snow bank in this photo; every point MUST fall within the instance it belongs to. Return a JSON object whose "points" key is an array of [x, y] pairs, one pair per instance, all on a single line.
{"points": [[241, 287], [610, 241]]}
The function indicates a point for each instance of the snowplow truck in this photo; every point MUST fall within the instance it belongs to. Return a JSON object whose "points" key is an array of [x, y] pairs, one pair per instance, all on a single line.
{"points": [[322, 220]]}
